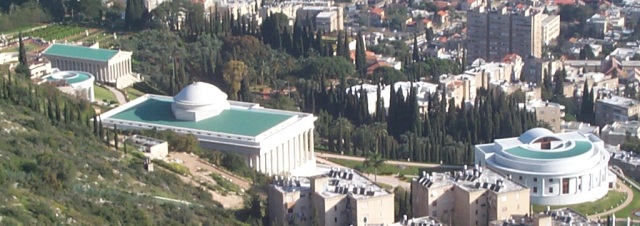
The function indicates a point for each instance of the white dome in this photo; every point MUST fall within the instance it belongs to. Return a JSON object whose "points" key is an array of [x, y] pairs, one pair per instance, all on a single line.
{"points": [[200, 93], [199, 101]]}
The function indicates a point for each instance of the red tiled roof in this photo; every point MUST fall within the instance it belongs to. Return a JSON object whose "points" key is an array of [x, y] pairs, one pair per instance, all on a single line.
{"points": [[564, 2], [377, 11], [442, 13], [509, 57]]}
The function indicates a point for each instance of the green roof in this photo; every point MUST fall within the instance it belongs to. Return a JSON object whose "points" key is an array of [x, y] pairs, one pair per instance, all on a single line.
{"points": [[78, 77], [80, 52], [579, 148], [233, 121]]}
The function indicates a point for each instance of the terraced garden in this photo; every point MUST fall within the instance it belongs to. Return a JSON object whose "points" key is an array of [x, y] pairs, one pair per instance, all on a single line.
{"points": [[55, 32]]}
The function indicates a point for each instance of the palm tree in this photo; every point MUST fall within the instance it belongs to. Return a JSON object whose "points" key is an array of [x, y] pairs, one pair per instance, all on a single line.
{"points": [[375, 160]]}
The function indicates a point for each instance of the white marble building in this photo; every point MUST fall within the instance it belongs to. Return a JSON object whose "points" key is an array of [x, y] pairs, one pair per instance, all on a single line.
{"points": [[272, 141], [559, 169]]}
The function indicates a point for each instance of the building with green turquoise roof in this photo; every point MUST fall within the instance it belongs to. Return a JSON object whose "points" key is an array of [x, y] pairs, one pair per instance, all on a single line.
{"points": [[559, 169], [274, 142], [108, 66]]}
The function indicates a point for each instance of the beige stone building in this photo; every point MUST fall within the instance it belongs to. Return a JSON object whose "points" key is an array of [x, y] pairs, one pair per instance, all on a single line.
{"points": [[151, 147], [550, 28], [549, 112], [612, 108], [469, 197], [108, 66], [338, 197], [495, 32], [559, 217], [616, 133]]}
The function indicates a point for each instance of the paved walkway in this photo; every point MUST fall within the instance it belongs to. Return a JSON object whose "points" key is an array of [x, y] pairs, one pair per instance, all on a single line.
{"points": [[385, 179], [119, 95], [203, 169], [399, 163], [623, 188]]}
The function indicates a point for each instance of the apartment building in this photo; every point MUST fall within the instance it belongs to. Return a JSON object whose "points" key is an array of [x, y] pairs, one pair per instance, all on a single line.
{"points": [[329, 18], [470, 197], [338, 197], [462, 88], [549, 112], [612, 108], [617, 132], [420, 221], [498, 31], [550, 28], [558, 217]]}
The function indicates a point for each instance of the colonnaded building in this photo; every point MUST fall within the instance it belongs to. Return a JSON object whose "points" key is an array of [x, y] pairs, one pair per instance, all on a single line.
{"points": [[272, 141], [108, 66], [559, 169]]}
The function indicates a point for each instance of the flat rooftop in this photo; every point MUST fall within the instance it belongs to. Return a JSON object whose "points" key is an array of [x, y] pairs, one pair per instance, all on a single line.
{"points": [[349, 182], [80, 52], [619, 101], [237, 121], [471, 180], [559, 217]]}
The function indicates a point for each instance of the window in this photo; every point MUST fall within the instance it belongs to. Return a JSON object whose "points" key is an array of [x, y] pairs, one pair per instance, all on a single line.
{"points": [[535, 189], [435, 203], [476, 212], [535, 179], [550, 179], [565, 185], [520, 178], [335, 208], [335, 219], [550, 189]]}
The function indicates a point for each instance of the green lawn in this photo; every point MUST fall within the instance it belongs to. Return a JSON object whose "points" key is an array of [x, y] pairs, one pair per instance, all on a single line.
{"points": [[104, 95], [634, 206], [133, 93], [28, 46], [613, 198], [386, 169]]}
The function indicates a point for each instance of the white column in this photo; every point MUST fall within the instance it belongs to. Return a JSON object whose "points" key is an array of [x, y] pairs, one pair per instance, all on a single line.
{"points": [[129, 65], [311, 145], [263, 163], [269, 163], [290, 160], [294, 151], [283, 157], [300, 148]]}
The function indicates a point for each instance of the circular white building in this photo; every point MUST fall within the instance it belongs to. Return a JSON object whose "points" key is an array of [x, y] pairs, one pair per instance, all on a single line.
{"points": [[559, 169], [76, 83], [199, 101]]}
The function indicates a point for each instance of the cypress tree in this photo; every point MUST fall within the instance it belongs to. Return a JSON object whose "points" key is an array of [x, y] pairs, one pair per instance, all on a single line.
{"points": [[416, 50], [115, 136], [22, 53], [361, 57]]}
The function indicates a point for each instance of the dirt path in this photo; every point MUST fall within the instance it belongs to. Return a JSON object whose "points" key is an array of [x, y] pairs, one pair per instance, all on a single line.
{"points": [[385, 179], [119, 95], [400, 163], [228, 202], [204, 170]]}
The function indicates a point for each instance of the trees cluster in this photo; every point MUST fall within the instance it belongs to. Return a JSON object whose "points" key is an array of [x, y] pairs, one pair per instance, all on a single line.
{"points": [[439, 132], [587, 113]]}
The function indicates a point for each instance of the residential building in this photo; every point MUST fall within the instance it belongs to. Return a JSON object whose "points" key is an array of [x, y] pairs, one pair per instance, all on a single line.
{"points": [[559, 168], [558, 217], [462, 88], [612, 108], [581, 127], [420, 221], [550, 28], [153, 4], [271, 141], [548, 112], [331, 17], [493, 33], [108, 66], [469, 197], [617, 133], [152, 148], [338, 196]]}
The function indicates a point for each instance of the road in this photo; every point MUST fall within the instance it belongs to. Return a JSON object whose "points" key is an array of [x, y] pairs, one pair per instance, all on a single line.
{"points": [[385, 179], [399, 163], [119, 95]]}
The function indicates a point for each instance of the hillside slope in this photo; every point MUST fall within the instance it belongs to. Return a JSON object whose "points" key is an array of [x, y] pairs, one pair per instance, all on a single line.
{"points": [[55, 173]]}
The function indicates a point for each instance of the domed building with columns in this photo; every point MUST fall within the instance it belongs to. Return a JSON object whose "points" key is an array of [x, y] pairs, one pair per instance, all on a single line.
{"points": [[272, 141], [559, 169]]}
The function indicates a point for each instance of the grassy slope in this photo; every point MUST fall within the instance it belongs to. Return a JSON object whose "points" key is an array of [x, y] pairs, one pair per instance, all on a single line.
{"points": [[613, 198], [51, 175]]}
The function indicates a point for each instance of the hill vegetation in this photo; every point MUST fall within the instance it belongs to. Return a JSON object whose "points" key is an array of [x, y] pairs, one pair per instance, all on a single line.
{"points": [[54, 170]]}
